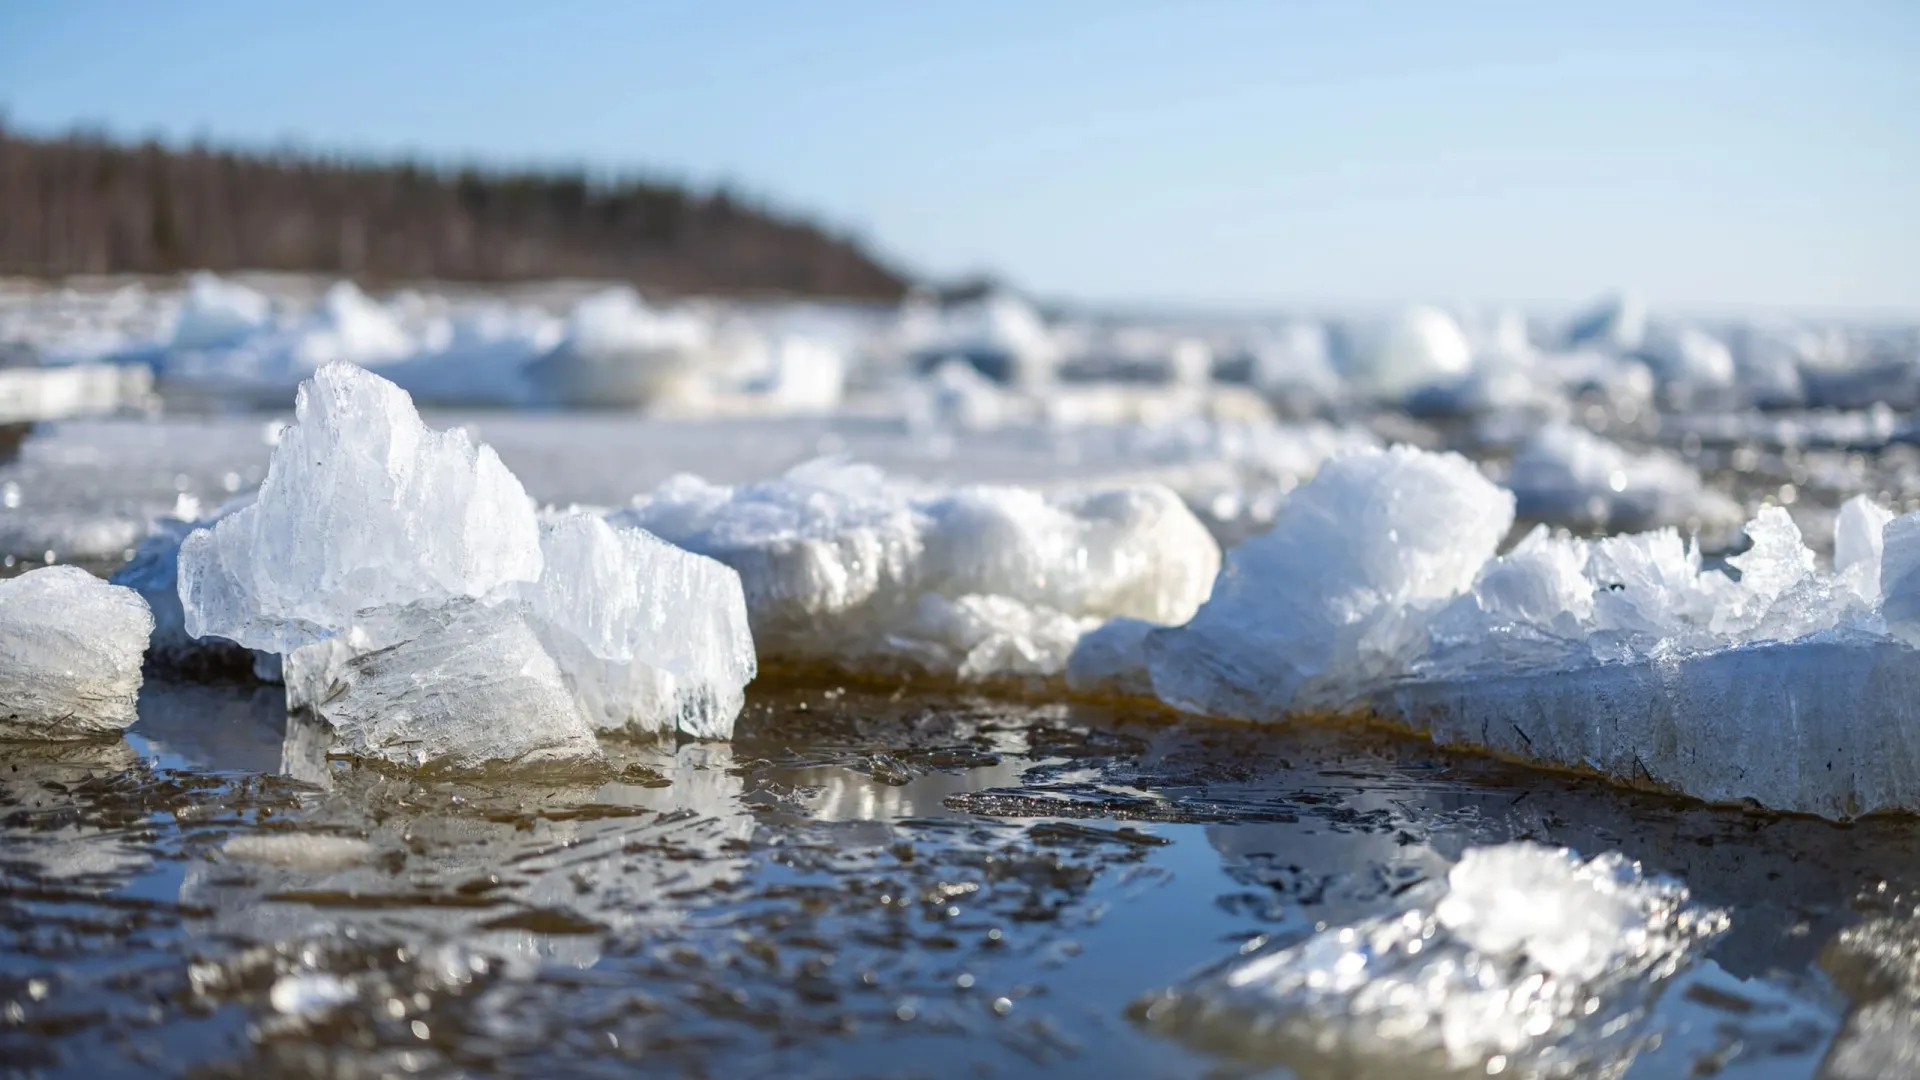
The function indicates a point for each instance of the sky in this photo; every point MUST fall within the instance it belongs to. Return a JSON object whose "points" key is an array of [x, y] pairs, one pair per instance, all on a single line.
{"points": [[1706, 155]]}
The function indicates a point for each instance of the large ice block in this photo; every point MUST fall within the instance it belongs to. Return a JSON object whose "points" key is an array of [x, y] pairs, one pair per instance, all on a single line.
{"points": [[363, 507], [70, 648], [426, 615], [1336, 596], [1528, 962], [842, 566]]}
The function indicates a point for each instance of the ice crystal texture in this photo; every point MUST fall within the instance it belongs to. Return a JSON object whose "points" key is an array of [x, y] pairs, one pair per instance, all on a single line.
{"points": [[70, 649], [426, 614], [845, 567], [1530, 963]]}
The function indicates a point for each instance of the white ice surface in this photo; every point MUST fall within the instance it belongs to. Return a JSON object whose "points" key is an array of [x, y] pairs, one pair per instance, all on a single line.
{"points": [[70, 648], [843, 567], [1337, 594]]}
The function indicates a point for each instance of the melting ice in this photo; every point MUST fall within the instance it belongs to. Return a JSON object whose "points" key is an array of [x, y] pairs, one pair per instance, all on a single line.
{"points": [[1527, 962], [425, 613]]}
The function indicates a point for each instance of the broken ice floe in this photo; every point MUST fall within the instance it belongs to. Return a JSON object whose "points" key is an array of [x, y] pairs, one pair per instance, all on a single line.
{"points": [[842, 566], [1334, 596], [1527, 962], [426, 614], [70, 647], [1569, 476], [1376, 592]]}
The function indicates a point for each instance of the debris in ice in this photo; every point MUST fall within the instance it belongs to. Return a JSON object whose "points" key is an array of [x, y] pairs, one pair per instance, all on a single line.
{"points": [[404, 576], [1570, 476], [70, 647], [1528, 962], [299, 850], [842, 566], [1337, 594]]}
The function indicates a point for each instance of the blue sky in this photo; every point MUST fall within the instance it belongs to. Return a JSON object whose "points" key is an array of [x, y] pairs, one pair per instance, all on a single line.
{"points": [[1228, 154]]}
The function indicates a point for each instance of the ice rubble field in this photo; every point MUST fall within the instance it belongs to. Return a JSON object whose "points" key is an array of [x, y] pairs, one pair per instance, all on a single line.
{"points": [[409, 591], [1264, 523]]}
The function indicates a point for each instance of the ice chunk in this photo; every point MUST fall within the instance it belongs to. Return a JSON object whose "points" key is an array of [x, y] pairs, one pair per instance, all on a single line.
{"points": [[426, 616], [1690, 357], [652, 637], [1618, 322], [1900, 577], [460, 687], [1818, 726], [1858, 539], [617, 352], [1418, 346], [363, 507], [217, 313], [1335, 598], [1569, 476], [1530, 962], [844, 567], [70, 648]]}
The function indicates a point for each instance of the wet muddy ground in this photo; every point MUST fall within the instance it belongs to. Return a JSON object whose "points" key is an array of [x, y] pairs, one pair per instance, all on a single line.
{"points": [[864, 882]]}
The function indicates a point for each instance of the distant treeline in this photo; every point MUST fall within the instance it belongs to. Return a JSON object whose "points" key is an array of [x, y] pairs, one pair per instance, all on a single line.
{"points": [[86, 205]]}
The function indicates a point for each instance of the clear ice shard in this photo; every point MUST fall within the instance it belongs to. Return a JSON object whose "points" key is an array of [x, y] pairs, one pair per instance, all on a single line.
{"points": [[846, 568], [70, 649], [652, 637], [362, 507], [463, 687], [1336, 595], [1528, 962], [426, 615]]}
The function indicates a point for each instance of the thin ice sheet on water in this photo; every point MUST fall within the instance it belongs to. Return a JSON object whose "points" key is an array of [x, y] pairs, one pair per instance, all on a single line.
{"points": [[1529, 962]]}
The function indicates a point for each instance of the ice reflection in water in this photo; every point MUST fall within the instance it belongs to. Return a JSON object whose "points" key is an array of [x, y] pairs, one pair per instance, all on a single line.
{"points": [[853, 883]]}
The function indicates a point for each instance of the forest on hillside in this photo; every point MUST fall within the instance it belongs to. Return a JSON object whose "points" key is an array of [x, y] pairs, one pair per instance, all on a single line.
{"points": [[87, 205]]}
